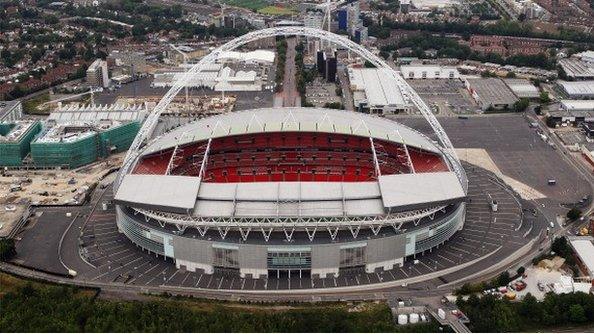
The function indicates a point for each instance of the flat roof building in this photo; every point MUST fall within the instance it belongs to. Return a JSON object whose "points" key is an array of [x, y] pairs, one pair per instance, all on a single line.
{"points": [[97, 75], [523, 88], [577, 105], [10, 111], [577, 69], [429, 72], [577, 89], [375, 92], [584, 251], [256, 56], [491, 93]]}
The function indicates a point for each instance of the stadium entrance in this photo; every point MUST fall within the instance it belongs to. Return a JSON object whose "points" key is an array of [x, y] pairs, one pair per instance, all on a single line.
{"points": [[297, 273], [283, 263]]}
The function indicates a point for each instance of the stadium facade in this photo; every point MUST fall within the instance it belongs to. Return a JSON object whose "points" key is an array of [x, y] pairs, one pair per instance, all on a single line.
{"points": [[291, 191]]}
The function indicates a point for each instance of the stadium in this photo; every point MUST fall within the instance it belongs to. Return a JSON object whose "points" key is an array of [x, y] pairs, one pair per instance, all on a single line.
{"points": [[291, 192]]}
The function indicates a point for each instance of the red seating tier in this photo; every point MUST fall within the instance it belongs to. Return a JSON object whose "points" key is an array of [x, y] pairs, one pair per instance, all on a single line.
{"points": [[290, 156]]}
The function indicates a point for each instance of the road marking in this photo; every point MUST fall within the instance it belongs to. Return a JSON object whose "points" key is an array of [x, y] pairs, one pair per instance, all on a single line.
{"points": [[185, 278], [445, 258], [404, 272], [170, 277], [141, 275]]}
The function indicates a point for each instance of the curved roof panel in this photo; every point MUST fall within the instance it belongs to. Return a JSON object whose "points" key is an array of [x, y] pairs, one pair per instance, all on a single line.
{"points": [[290, 120]]}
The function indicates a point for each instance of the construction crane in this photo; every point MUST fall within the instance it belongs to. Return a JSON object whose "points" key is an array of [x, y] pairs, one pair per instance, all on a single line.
{"points": [[185, 58], [91, 91]]}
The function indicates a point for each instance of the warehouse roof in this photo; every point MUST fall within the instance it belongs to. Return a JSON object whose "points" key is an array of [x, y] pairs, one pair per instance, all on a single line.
{"points": [[492, 91], [577, 87], [379, 87], [263, 56], [523, 88], [576, 68], [114, 112], [291, 120], [582, 105]]}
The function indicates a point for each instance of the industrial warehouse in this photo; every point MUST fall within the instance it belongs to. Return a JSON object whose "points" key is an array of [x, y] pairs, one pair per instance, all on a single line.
{"points": [[290, 192]]}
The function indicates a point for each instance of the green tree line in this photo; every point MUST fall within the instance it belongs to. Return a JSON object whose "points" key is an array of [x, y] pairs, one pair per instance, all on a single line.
{"points": [[31, 308], [490, 314], [450, 48]]}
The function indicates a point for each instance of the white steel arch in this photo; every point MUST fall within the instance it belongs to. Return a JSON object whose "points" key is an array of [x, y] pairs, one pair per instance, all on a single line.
{"points": [[409, 94]]}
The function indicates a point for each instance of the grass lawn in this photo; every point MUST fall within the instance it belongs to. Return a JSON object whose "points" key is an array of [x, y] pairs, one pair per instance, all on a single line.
{"points": [[30, 106], [276, 10], [249, 4]]}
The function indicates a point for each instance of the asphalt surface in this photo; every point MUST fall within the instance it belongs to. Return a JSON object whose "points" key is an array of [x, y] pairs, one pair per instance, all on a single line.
{"points": [[111, 258], [114, 260], [289, 95], [519, 152]]}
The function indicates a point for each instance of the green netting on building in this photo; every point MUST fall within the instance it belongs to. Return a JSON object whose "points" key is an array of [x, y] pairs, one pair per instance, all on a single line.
{"points": [[65, 154], [118, 139], [5, 128], [12, 153]]}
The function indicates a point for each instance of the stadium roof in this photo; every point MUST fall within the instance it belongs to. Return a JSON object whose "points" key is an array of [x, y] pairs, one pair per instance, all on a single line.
{"points": [[181, 194], [390, 193], [292, 120], [411, 190], [165, 192]]}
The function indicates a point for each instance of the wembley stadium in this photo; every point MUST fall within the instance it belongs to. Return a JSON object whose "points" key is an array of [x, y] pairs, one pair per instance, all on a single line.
{"points": [[291, 191]]}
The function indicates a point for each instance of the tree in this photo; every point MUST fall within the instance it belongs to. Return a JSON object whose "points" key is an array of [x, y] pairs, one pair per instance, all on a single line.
{"points": [[521, 105], [503, 278], [577, 313], [510, 75], [334, 105], [574, 214], [521, 271], [544, 97], [7, 249]]}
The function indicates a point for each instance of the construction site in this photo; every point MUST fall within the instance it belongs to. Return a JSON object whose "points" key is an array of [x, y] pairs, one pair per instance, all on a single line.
{"points": [[54, 187], [15, 139], [77, 143]]}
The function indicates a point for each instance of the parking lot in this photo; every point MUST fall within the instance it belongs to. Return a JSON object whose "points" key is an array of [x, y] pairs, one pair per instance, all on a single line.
{"points": [[517, 150], [117, 260], [445, 96], [320, 92]]}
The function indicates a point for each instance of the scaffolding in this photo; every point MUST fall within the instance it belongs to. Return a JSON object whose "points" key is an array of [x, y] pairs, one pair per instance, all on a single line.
{"points": [[12, 152], [85, 148], [70, 154], [118, 139]]}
